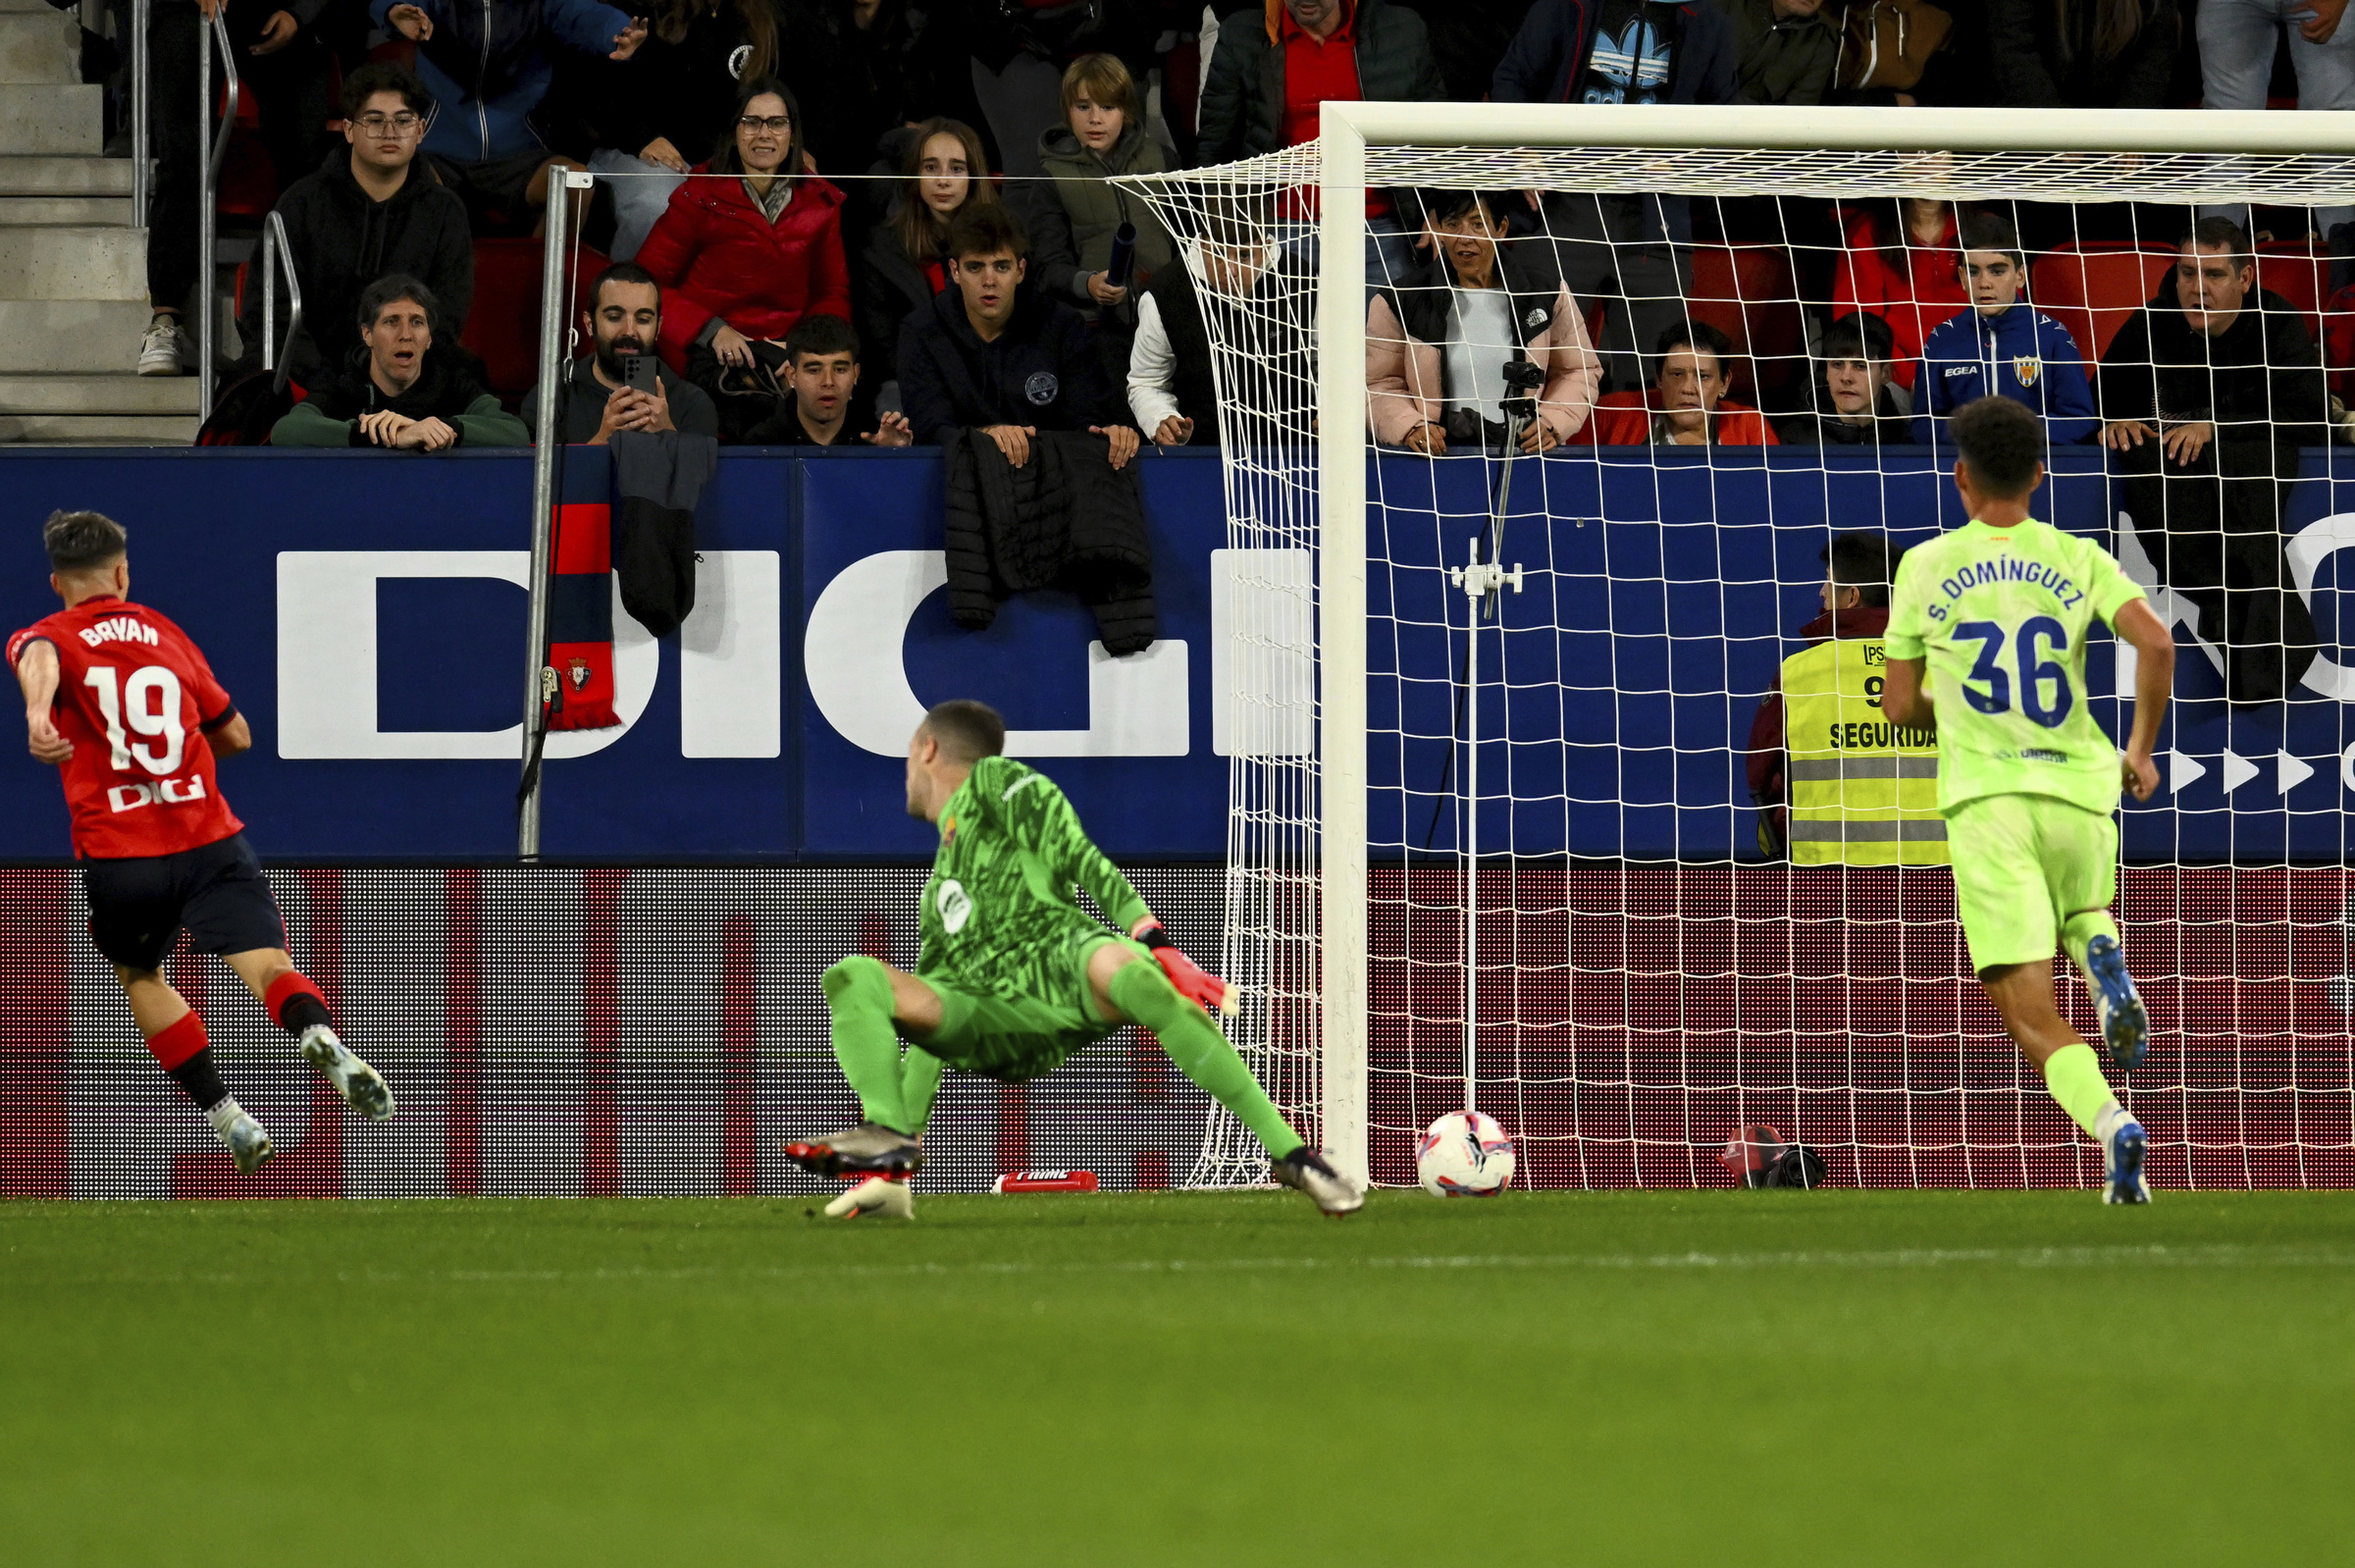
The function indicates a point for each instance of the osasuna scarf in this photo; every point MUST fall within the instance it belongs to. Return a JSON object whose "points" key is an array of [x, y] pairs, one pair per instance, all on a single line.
{"points": [[580, 599], [643, 494]]}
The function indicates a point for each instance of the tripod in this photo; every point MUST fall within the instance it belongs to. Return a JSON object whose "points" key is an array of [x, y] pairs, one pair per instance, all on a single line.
{"points": [[1483, 584]]}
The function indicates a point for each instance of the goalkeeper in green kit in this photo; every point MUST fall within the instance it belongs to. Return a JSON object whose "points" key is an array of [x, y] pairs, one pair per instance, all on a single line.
{"points": [[1016, 977], [1999, 610]]}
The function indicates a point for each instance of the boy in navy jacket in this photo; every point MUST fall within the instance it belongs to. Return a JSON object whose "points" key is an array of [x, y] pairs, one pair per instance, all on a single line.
{"points": [[2002, 349]]}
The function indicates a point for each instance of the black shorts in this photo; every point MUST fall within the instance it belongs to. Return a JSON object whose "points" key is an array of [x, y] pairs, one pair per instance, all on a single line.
{"points": [[138, 906]]}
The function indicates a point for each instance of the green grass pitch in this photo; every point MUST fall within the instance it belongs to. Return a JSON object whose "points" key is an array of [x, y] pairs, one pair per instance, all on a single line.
{"points": [[1766, 1378]]}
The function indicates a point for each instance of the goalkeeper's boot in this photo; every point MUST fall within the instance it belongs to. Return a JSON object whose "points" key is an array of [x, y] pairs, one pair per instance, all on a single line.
{"points": [[361, 1085], [867, 1149], [2125, 1149], [887, 1196], [1305, 1167], [2126, 1021], [247, 1141]]}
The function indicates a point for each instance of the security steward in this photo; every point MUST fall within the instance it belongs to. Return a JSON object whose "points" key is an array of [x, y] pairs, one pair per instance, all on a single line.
{"points": [[1835, 782]]}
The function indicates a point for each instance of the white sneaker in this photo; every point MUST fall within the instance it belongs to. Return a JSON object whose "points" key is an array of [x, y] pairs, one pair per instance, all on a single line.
{"points": [[246, 1140], [362, 1087], [163, 351], [875, 1195]]}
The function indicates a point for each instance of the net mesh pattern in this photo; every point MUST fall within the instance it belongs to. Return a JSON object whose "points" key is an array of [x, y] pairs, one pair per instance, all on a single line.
{"points": [[1585, 917]]}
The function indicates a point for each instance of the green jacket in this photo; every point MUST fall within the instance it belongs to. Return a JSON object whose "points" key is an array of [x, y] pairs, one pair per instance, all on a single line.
{"points": [[448, 387], [1072, 221], [1241, 114], [1785, 62], [483, 424]]}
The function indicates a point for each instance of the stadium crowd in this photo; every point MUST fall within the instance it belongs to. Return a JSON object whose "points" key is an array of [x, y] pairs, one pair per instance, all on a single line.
{"points": [[827, 221], [411, 139]]}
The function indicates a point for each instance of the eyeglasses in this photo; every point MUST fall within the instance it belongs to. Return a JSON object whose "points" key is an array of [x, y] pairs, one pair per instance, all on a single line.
{"points": [[779, 123], [400, 125]]}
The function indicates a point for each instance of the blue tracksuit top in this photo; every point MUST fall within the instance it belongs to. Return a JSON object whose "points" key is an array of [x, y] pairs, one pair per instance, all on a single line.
{"points": [[2022, 354], [488, 66]]}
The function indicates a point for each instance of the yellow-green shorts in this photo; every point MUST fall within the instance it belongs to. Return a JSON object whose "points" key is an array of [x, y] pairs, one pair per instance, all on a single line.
{"points": [[2023, 865], [1015, 1037]]}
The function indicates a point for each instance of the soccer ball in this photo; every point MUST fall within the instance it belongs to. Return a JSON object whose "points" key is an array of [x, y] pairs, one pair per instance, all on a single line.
{"points": [[1464, 1155]]}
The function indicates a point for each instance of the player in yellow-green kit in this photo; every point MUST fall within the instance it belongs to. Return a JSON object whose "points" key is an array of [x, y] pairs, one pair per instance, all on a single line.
{"points": [[1016, 976], [1999, 610]]}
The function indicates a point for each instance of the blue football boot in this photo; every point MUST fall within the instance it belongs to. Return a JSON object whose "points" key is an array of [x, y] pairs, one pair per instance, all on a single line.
{"points": [[2126, 1148], [2125, 1022]]}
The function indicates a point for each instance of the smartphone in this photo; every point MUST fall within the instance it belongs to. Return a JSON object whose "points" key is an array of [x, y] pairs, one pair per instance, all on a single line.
{"points": [[637, 374]]}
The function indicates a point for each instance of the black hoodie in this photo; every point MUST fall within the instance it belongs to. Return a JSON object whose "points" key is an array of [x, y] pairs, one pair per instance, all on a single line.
{"points": [[1041, 371], [343, 242], [2260, 379]]}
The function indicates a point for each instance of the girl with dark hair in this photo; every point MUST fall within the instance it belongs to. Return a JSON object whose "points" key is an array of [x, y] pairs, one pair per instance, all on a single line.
{"points": [[741, 258], [1899, 265], [904, 264]]}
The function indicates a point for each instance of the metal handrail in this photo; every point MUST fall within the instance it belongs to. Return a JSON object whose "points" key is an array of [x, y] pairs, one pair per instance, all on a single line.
{"points": [[275, 246], [207, 185], [541, 678], [141, 172]]}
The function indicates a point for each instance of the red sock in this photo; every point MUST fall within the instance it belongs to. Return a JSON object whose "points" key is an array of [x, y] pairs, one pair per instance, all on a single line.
{"points": [[174, 1045], [295, 1003]]}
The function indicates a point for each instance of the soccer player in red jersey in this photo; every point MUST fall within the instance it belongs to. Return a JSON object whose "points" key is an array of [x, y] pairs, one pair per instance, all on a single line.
{"points": [[124, 705]]}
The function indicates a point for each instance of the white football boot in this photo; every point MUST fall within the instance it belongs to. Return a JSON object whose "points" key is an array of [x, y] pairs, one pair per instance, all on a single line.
{"points": [[246, 1140], [363, 1088], [875, 1195]]}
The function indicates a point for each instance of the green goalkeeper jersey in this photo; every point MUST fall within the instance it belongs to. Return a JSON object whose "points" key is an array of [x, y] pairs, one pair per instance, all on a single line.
{"points": [[2002, 614], [999, 913]]}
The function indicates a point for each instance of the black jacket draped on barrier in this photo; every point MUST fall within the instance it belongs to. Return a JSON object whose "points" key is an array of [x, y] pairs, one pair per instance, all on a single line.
{"points": [[1065, 519]]}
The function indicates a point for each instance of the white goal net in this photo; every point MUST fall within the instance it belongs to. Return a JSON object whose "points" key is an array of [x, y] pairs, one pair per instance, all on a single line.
{"points": [[1546, 455]]}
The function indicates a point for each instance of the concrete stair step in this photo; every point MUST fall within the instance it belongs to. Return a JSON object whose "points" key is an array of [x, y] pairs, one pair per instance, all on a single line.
{"points": [[40, 46], [65, 177], [87, 211], [50, 120], [74, 262], [121, 393], [70, 336], [7, 6], [97, 429]]}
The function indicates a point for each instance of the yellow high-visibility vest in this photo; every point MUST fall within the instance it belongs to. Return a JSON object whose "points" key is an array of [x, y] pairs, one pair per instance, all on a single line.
{"points": [[1863, 791]]}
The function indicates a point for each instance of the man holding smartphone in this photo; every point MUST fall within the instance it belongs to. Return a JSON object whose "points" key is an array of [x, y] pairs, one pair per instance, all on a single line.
{"points": [[621, 385]]}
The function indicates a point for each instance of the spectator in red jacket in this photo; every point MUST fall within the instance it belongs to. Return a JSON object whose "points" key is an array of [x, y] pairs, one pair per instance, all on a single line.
{"points": [[1686, 404], [741, 260], [1900, 266]]}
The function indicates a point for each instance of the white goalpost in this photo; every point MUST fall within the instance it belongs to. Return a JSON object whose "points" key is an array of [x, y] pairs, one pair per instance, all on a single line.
{"points": [[1490, 840]]}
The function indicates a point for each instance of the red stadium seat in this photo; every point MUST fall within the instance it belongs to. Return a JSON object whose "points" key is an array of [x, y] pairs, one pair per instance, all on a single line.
{"points": [[2091, 290], [2295, 273], [504, 325], [2339, 339], [1745, 291]]}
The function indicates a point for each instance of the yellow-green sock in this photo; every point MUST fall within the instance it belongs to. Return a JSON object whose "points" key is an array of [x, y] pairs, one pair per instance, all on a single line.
{"points": [[1142, 992], [2073, 1074], [858, 998], [920, 1083], [2082, 928]]}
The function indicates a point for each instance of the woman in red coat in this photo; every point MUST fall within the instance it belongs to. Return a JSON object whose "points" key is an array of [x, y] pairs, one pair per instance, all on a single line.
{"points": [[1899, 265], [742, 260]]}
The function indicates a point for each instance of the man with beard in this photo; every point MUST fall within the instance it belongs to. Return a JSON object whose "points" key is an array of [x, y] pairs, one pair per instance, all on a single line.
{"points": [[399, 391], [624, 318]]}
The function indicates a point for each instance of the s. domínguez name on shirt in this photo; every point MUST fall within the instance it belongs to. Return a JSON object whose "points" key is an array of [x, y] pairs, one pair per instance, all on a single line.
{"points": [[2006, 569]]}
